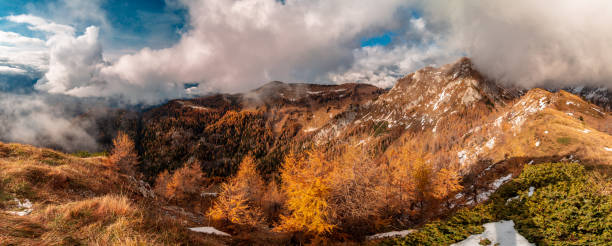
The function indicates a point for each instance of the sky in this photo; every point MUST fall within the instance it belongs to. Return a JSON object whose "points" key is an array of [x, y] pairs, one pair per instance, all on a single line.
{"points": [[149, 51]]}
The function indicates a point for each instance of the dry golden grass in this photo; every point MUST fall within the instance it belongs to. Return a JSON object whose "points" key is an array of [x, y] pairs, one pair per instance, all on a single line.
{"points": [[43, 174], [558, 134], [80, 201], [106, 220]]}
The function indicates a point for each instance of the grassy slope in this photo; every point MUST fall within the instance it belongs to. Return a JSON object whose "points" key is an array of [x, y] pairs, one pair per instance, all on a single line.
{"points": [[79, 201], [560, 131]]}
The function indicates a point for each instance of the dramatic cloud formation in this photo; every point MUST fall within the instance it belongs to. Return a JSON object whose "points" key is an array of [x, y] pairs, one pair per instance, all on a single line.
{"points": [[532, 43], [527, 43], [233, 46], [11, 70], [383, 65]]}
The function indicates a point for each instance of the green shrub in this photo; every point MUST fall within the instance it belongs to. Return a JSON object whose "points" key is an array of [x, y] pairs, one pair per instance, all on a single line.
{"points": [[380, 128], [566, 208], [485, 241], [564, 140], [85, 154]]}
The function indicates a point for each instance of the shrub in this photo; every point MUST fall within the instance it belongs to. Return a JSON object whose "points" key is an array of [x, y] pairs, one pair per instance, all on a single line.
{"points": [[240, 199], [124, 156], [183, 185], [565, 208], [564, 140]]}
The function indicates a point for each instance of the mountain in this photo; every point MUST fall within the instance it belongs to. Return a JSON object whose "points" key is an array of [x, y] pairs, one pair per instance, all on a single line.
{"points": [[453, 112]]}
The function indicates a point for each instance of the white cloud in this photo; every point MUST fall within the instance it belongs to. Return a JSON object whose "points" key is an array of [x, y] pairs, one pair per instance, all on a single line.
{"points": [[233, 46], [11, 70], [73, 62], [521, 42], [39, 24], [383, 65], [237, 45], [531, 43], [11, 38]]}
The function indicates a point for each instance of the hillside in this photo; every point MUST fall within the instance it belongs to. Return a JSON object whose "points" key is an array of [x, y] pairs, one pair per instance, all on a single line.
{"points": [[220, 130], [50, 198]]}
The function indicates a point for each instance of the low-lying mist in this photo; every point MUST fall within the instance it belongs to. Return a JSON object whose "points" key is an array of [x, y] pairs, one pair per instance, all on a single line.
{"points": [[48, 121]]}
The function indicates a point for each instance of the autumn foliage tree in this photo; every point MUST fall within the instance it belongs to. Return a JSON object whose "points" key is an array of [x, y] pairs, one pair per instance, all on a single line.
{"points": [[183, 185], [123, 155], [306, 185], [414, 182], [240, 199], [355, 199]]}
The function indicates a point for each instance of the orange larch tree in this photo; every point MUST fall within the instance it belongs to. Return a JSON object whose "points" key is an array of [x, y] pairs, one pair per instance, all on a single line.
{"points": [[240, 199], [123, 155], [306, 185]]}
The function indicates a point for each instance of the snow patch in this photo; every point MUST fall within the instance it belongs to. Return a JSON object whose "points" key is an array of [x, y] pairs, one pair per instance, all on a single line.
{"points": [[310, 129], [531, 190], [586, 131], [607, 149], [314, 92], [498, 121], [500, 233], [207, 194], [209, 230], [25, 208], [500, 181], [494, 186], [462, 155], [545, 132], [511, 199], [471, 95], [537, 143], [391, 234], [490, 143]]}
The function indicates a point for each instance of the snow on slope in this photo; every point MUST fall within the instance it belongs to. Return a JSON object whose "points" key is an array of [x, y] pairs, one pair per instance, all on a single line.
{"points": [[24, 208], [391, 234], [209, 230], [500, 233]]}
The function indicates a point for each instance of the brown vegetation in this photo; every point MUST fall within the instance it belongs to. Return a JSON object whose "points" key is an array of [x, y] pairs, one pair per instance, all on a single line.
{"points": [[241, 197], [80, 201], [123, 155], [183, 186]]}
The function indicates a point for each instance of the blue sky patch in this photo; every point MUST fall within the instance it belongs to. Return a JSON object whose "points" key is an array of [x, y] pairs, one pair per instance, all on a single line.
{"points": [[381, 40]]}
